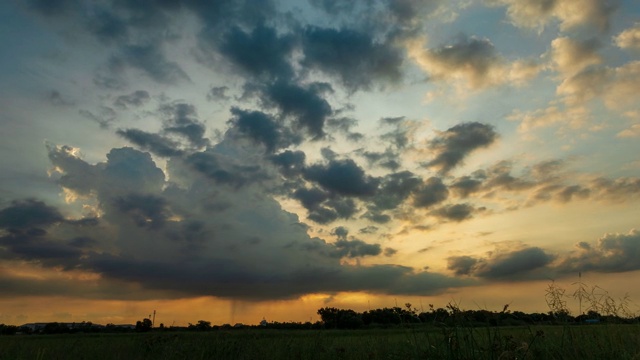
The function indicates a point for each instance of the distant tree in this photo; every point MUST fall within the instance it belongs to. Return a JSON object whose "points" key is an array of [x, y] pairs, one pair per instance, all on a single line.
{"points": [[8, 329], [340, 319], [201, 325], [144, 325]]}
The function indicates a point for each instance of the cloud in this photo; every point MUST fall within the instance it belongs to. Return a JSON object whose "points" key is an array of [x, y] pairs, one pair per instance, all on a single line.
{"points": [[155, 143], [537, 14], [289, 162], [343, 177], [432, 192], [629, 38], [356, 248], [555, 114], [176, 239], [462, 265], [472, 61], [218, 93], [409, 10], [513, 265], [465, 186], [145, 210], [633, 131], [261, 53], [394, 189], [355, 58], [134, 99], [571, 56], [615, 86], [223, 169], [305, 105], [105, 116], [261, 128], [453, 145], [456, 212], [28, 214], [181, 119], [612, 253]]}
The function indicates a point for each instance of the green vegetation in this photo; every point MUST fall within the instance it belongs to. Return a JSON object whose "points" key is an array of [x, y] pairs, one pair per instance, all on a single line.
{"points": [[533, 342], [607, 331]]}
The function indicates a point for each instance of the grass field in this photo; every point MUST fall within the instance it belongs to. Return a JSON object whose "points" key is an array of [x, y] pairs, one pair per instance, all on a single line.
{"points": [[535, 342]]}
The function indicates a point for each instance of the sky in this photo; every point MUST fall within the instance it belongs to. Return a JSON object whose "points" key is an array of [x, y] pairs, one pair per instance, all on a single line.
{"points": [[234, 160]]}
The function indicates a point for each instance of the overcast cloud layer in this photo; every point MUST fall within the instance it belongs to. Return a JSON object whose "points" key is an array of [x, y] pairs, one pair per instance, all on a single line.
{"points": [[263, 150]]}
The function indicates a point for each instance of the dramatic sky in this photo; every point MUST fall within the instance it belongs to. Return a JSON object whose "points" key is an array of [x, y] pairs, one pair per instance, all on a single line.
{"points": [[229, 160]]}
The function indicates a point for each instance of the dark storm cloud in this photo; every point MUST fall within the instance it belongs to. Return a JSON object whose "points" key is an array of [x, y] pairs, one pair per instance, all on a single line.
{"points": [[517, 264], [310, 198], [263, 129], [155, 143], [432, 192], [513, 264], [228, 279], [324, 207], [332, 210], [611, 254], [341, 232], [343, 177], [182, 119], [145, 210], [30, 213], [163, 237], [261, 53], [36, 245], [455, 144], [355, 58], [306, 106], [134, 99], [377, 217], [456, 212], [345, 208], [461, 265], [27, 224], [356, 248], [125, 168], [290, 163], [223, 170], [395, 189]]}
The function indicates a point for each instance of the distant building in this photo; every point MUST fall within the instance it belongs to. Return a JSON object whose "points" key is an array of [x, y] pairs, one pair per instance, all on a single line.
{"points": [[263, 322]]}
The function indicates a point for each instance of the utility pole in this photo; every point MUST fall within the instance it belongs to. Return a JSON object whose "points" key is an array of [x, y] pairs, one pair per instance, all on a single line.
{"points": [[153, 322]]}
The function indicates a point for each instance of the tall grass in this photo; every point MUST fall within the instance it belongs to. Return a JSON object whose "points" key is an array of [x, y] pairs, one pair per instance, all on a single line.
{"points": [[457, 338]]}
